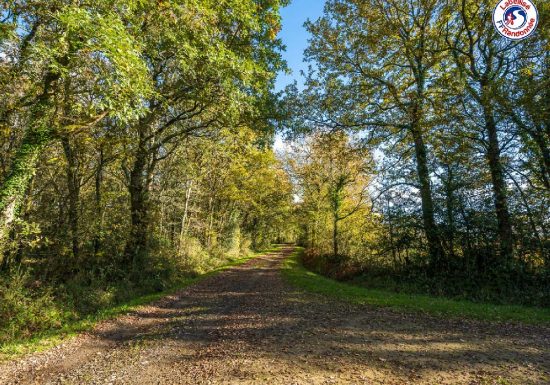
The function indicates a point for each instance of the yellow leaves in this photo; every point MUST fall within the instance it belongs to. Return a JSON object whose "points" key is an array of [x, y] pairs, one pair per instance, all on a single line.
{"points": [[526, 71], [273, 25], [5, 131], [55, 160]]}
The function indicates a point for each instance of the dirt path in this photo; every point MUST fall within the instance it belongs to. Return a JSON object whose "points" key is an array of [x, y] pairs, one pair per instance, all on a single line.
{"points": [[247, 326]]}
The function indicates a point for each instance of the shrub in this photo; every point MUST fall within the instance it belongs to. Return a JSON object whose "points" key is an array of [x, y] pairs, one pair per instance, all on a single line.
{"points": [[26, 307]]}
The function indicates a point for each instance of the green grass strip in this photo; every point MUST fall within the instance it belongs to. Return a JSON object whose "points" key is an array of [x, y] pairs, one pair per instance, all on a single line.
{"points": [[300, 277], [50, 338]]}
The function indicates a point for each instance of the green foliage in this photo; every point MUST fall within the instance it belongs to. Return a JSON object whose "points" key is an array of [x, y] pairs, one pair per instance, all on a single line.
{"points": [[25, 310], [307, 280], [496, 287], [135, 148], [104, 44], [333, 173], [457, 119], [31, 319]]}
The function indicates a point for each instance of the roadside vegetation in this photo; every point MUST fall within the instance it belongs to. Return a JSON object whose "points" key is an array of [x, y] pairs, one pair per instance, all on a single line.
{"points": [[303, 278], [137, 141], [136, 151], [31, 331], [421, 151]]}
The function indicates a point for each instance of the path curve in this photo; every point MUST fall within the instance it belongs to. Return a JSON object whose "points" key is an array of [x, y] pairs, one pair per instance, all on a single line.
{"points": [[248, 326]]}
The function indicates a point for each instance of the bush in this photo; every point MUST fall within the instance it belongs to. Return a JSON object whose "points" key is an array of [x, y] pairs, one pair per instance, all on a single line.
{"points": [[26, 307], [497, 284], [338, 267]]}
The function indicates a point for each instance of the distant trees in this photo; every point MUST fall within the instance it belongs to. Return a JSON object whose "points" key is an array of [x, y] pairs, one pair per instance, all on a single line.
{"points": [[333, 173], [207, 71], [455, 115]]}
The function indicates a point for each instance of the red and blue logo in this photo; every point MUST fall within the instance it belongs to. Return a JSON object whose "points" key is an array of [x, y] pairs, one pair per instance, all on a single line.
{"points": [[515, 19]]}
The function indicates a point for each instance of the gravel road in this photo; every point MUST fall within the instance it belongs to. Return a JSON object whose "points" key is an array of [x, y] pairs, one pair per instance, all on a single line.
{"points": [[248, 326]]}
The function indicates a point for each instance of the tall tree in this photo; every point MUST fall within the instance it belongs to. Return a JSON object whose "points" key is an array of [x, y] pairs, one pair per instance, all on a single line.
{"points": [[215, 62], [80, 57], [485, 61], [376, 63], [333, 172]]}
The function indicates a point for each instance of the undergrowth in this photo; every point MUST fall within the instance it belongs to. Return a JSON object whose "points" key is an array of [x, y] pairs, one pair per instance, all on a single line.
{"points": [[34, 316], [301, 277], [512, 285]]}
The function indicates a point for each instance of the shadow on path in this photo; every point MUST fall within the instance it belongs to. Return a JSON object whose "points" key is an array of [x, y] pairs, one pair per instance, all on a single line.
{"points": [[247, 325]]}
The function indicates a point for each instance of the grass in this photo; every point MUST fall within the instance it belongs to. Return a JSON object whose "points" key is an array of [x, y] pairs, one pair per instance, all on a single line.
{"points": [[300, 277], [50, 338]]}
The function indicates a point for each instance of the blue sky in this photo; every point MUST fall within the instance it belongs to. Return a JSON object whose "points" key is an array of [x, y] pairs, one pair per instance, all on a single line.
{"points": [[295, 37]]}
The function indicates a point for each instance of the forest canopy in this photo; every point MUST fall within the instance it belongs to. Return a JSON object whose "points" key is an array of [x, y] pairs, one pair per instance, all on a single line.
{"points": [[137, 150], [457, 119]]}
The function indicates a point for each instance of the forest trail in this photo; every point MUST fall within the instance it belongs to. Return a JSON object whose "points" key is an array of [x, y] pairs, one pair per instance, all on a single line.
{"points": [[247, 326]]}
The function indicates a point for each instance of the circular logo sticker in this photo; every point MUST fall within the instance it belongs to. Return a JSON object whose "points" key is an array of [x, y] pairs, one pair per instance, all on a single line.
{"points": [[515, 19]]}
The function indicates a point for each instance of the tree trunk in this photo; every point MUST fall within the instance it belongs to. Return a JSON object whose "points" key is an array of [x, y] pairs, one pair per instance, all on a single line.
{"points": [[504, 225], [531, 220], [391, 235], [37, 136], [183, 231], [97, 201], [136, 246], [450, 203], [210, 228], [12, 191], [435, 248], [335, 236], [14, 256], [255, 234], [544, 160], [73, 186]]}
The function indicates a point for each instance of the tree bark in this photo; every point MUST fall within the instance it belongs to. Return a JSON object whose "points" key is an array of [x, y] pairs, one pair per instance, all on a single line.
{"points": [[73, 186], [504, 225], [183, 231], [97, 201], [335, 236], [435, 248], [450, 203], [544, 147], [136, 245], [37, 136], [14, 187], [391, 235]]}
